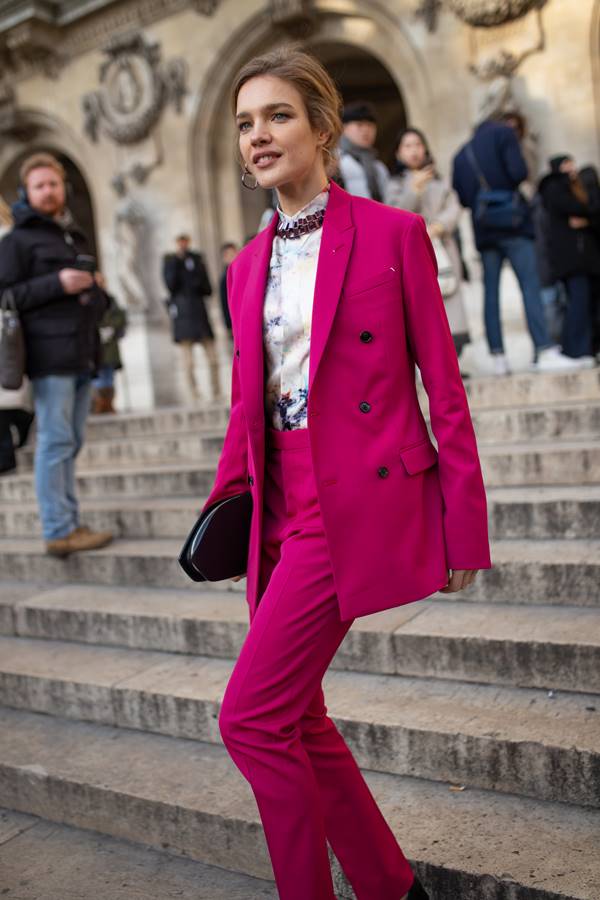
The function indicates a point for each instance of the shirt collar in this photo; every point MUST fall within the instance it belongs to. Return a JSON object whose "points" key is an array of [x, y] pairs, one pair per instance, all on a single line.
{"points": [[317, 203]]}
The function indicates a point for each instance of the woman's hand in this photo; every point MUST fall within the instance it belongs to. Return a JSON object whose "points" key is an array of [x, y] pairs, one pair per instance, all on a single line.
{"points": [[421, 178], [459, 580], [237, 578]]}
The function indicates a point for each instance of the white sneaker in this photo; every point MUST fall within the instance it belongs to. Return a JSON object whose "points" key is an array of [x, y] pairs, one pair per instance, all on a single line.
{"points": [[552, 360], [587, 362], [501, 366]]}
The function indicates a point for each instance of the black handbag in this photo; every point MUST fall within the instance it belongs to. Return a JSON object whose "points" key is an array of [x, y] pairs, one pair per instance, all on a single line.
{"points": [[12, 344], [217, 546]]}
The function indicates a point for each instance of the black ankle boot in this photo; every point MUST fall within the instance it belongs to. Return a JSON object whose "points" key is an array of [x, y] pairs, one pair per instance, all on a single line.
{"points": [[417, 891]]}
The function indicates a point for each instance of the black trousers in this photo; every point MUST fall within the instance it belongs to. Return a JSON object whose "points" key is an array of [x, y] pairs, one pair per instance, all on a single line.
{"points": [[20, 419]]}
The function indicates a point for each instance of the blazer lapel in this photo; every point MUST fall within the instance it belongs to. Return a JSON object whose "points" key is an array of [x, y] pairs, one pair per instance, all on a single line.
{"points": [[251, 342], [336, 245]]}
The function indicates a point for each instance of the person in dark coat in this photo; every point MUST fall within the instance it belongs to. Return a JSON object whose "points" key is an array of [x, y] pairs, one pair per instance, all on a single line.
{"points": [[188, 283], [500, 163], [45, 261], [112, 329], [572, 235]]}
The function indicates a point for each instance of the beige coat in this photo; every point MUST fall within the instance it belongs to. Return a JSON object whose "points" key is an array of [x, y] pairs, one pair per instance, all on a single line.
{"points": [[437, 203]]}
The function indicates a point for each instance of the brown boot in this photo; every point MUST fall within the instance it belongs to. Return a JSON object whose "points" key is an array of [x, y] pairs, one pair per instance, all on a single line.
{"points": [[81, 538]]}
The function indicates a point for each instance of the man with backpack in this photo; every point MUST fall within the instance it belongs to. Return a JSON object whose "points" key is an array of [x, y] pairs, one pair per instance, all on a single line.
{"points": [[488, 170]]}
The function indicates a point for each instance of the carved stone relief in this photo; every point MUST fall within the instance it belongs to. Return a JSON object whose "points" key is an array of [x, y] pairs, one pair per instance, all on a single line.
{"points": [[50, 36], [135, 88], [488, 13]]}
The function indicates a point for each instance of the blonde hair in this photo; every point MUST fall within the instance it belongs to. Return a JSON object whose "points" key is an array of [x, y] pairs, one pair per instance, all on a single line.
{"points": [[41, 161], [313, 82]]}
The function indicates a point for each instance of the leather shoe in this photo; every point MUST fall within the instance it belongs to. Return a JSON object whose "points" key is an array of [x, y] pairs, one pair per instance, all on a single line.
{"points": [[417, 891], [79, 539]]}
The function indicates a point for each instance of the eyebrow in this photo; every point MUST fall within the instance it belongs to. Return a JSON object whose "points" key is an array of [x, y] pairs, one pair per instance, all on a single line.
{"points": [[270, 107]]}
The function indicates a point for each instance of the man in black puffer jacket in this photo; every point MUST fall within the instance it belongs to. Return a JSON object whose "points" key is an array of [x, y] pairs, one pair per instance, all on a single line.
{"points": [[45, 262]]}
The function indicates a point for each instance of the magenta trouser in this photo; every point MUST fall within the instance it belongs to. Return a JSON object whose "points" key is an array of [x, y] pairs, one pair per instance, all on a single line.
{"points": [[274, 722]]}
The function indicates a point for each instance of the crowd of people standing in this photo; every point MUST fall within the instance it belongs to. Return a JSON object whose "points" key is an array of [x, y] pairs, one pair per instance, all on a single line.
{"points": [[549, 232]]}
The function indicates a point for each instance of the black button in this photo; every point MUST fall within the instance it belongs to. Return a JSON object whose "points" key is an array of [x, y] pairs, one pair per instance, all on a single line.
{"points": [[250, 480], [383, 472], [364, 406], [237, 353], [366, 337]]}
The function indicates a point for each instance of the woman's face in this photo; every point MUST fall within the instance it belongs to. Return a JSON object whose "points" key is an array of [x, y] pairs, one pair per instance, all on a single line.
{"points": [[277, 142], [412, 151]]}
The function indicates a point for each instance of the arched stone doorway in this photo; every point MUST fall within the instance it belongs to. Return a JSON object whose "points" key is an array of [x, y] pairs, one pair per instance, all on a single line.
{"points": [[78, 194], [368, 41]]}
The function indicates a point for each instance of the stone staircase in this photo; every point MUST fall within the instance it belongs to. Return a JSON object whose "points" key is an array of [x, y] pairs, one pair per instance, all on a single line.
{"points": [[475, 716]]}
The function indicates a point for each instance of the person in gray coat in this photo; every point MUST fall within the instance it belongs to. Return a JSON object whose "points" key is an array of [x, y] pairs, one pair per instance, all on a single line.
{"points": [[360, 172], [417, 186]]}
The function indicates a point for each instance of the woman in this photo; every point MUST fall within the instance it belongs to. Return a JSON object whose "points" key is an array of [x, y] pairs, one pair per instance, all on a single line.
{"points": [[572, 236], [351, 513], [416, 186]]}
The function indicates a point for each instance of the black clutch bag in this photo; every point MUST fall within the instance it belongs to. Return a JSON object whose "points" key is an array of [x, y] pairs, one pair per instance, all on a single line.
{"points": [[217, 546]]}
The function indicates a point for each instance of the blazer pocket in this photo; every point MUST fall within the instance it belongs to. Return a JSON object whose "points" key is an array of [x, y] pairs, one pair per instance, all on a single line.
{"points": [[373, 281], [419, 457]]}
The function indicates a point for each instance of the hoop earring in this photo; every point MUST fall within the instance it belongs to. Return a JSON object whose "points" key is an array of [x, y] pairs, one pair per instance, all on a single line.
{"points": [[249, 187]]}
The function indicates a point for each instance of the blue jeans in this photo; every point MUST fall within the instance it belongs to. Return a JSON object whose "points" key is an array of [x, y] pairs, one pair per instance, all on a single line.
{"points": [[520, 252], [578, 324], [105, 377], [62, 404]]}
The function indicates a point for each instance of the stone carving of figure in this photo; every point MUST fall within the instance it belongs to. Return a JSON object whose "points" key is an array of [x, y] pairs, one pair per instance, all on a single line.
{"points": [[127, 90], [130, 226]]}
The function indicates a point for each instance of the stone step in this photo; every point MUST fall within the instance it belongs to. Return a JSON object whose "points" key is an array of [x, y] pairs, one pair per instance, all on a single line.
{"points": [[528, 422], [534, 389], [538, 423], [541, 463], [514, 740], [492, 426], [165, 420], [42, 860], [543, 512], [156, 450], [541, 647], [137, 517], [530, 513], [560, 572], [188, 796], [504, 465], [518, 391]]}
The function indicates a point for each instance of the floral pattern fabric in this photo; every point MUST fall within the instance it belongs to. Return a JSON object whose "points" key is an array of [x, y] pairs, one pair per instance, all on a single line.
{"points": [[287, 319]]}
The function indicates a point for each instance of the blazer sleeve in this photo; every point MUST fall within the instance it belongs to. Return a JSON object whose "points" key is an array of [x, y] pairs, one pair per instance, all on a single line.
{"points": [[232, 471], [463, 493]]}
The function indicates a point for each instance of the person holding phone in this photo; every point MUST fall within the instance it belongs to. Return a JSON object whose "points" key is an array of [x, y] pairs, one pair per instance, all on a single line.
{"points": [[45, 261], [354, 510], [417, 186]]}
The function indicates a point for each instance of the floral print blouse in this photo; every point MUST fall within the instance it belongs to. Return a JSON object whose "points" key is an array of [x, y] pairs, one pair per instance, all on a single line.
{"points": [[287, 321]]}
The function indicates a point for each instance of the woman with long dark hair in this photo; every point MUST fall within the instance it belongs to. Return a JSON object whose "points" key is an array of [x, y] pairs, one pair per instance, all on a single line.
{"points": [[417, 186], [354, 509]]}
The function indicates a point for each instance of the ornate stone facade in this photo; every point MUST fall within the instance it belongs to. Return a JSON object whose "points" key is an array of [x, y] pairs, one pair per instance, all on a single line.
{"points": [[155, 144]]}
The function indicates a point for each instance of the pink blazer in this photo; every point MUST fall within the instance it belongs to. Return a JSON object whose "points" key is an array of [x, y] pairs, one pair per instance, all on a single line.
{"points": [[397, 513]]}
